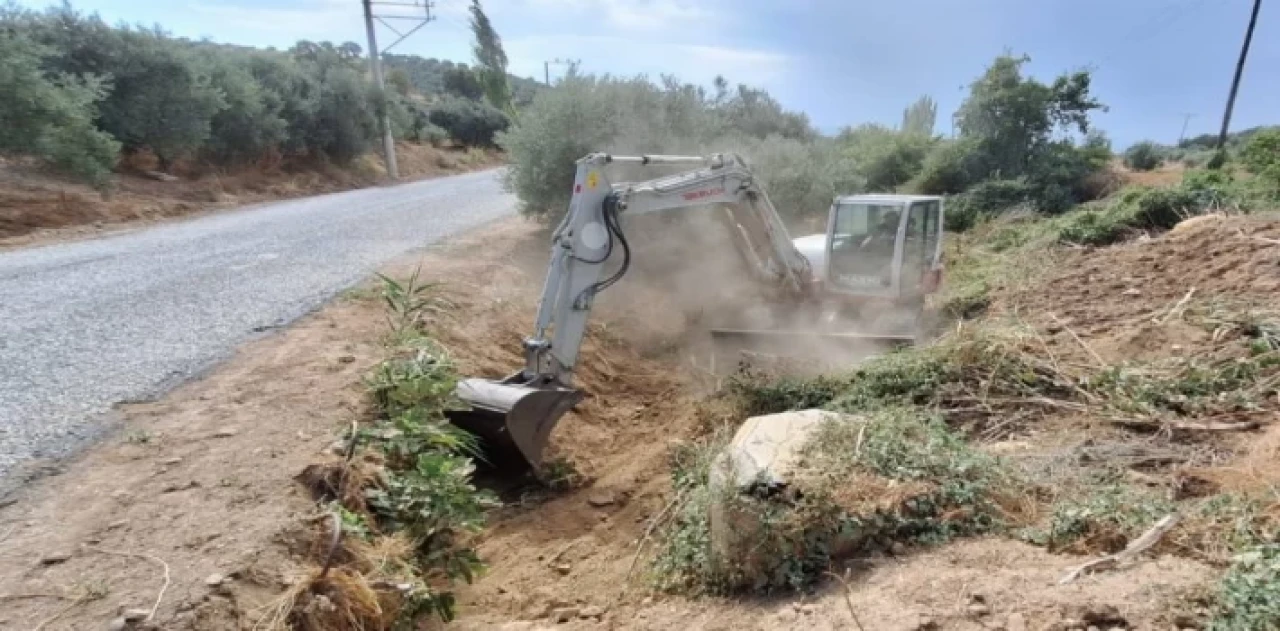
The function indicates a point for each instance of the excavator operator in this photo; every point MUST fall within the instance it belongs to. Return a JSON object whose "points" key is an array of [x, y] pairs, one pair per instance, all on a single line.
{"points": [[885, 231]]}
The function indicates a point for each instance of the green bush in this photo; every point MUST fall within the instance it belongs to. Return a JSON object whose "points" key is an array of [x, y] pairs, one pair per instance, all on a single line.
{"points": [[1261, 155], [884, 158], [1262, 152], [951, 167], [1143, 156], [1134, 209], [251, 123], [52, 116], [469, 123], [985, 199]]}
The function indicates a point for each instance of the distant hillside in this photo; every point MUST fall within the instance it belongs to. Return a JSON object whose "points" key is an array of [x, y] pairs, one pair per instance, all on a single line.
{"points": [[426, 75], [1209, 141]]}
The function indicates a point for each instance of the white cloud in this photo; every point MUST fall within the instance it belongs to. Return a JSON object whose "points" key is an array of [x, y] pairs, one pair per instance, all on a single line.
{"points": [[636, 15], [322, 19], [619, 55]]}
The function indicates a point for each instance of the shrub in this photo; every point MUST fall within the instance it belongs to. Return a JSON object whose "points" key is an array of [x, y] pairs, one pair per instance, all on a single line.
{"points": [[1262, 152], [52, 117], [950, 168], [250, 124], [984, 200], [1261, 155], [1143, 156], [884, 158], [468, 122]]}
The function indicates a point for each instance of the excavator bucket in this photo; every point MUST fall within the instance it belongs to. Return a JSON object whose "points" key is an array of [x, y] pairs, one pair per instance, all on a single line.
{"points": [[512, 421]]}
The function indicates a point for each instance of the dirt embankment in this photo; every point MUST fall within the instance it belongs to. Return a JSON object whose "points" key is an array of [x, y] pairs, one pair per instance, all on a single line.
{"points": [[36, 207], [201, 482]]}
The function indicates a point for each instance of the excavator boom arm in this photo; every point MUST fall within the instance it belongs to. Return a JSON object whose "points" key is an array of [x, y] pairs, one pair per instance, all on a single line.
{"points": [[591, 231]]}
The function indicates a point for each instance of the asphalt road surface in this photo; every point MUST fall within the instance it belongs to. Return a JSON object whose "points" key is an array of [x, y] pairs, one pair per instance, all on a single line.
{"points": [[85, 325]]}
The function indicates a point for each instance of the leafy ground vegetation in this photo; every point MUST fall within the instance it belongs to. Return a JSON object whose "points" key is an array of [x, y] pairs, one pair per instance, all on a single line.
{"points": [[1079, 400], [402, 501]]}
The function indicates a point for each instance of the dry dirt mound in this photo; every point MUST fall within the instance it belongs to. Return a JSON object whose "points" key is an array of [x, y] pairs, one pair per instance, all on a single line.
{"points": [[1114, 297]]}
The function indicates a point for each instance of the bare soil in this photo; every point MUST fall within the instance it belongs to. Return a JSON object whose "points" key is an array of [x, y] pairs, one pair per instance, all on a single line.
{"points": [[203, 478], [37, 207]]}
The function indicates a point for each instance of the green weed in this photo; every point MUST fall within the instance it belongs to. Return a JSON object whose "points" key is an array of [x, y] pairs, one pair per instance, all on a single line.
{"points": [[406, 301], [422, 376], [1098, 518], [1248, 598]]}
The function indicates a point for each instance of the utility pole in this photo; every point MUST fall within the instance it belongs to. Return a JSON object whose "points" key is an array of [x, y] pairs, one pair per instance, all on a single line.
{"points": [[546, 68], [1235, 82], [1186, 118], [375, 63]]}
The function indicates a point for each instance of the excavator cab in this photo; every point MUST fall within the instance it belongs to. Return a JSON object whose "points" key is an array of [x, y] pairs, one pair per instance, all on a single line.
{"points": [[881, 247]]}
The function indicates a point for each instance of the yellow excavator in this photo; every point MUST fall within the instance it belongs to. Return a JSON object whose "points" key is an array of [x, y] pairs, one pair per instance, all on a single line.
{"points": [[880, 254]]}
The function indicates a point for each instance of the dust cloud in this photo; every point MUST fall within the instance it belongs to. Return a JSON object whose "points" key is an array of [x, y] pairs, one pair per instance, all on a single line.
{"points": [[688, 278]]}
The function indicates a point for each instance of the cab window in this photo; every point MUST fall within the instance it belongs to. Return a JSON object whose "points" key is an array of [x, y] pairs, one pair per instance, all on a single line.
{"points": [[862, 245]]}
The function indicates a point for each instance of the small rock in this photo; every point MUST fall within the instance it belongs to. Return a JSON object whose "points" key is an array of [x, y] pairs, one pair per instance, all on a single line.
{"points": [[1067, 624], [563, 568], [564, 614], [925, 623], [977, 610], [807, 610], [592, 611], [897, 548], [1097, 615], [54, 558], [1092, 628], [117, 524], [173, 488], [215, 580], [648, 600], [226, 432], [346, 359], [600, 499], [118, 624], [171, 461], [135, 615], [1132, 291], [1016, 622]]}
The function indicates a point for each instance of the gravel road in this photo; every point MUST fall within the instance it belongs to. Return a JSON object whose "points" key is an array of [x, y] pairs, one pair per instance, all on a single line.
{"points": [[88, 324]]}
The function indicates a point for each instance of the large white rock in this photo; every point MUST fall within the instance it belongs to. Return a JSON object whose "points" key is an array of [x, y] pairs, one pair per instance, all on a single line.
{"points": [[766, 448], [766, 451]]}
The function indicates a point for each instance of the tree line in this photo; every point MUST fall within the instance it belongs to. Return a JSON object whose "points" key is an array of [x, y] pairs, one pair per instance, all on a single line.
{"points": [[79, 93], [1019, 141]]}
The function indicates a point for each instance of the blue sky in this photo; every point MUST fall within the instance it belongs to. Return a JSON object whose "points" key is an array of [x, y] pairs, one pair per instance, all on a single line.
{"points": [[841, 61]]}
